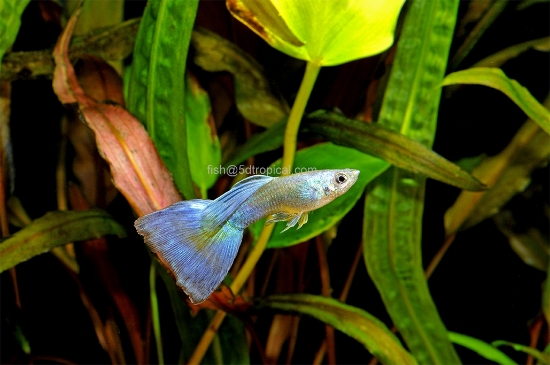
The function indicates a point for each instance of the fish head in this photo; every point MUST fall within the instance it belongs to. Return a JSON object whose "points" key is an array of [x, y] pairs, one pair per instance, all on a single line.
{"points": [[337, 182], [324, 186]]}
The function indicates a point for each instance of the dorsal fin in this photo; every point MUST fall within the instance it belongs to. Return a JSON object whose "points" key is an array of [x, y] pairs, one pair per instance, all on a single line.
{"points": [[221, 209]]}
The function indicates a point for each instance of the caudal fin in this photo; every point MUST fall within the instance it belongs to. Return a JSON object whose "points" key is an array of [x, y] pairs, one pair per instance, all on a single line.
{"points": [[199, 258]]}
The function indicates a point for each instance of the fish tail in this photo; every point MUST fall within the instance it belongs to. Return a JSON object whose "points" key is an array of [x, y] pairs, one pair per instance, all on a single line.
{"points": [[199, 258]]}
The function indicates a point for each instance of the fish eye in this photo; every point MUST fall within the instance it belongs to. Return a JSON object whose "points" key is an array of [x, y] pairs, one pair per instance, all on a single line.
{"points": [[341, 178]]}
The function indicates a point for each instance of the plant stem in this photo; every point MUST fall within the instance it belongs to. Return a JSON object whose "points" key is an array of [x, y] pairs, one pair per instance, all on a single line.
{"points": [[295, 117], [155, 313], [289, 151]]}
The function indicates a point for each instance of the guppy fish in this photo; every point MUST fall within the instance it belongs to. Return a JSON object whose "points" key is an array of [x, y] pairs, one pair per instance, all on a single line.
{"points": [[199, 239]]}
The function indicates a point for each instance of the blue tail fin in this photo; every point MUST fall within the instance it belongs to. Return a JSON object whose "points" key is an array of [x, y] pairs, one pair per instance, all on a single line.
{"points": [[200, 258]]}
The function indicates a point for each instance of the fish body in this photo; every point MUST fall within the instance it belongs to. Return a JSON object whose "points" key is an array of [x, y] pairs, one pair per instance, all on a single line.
{"points": [[199, 239]]}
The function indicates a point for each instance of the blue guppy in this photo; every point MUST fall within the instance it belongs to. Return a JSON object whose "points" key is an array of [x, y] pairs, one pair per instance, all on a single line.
{"points": [[199, 239]]}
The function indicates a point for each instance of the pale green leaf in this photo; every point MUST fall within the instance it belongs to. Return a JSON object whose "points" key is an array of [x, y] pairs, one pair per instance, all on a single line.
{"points": [[495, 78], [543, 358], [482, 348], [499, 58]]}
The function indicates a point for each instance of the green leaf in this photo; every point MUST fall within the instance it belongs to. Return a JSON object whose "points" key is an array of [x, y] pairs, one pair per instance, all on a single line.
{"points": [[156, 88], [202, 137], [10, 21], [56, 229], [352, 321], [254, 97], [391, 146], [495, 78], [482, 348], [507, 174], [499, 58], [543, 358], [269, 140], [473, 37], [392, 228], [328, 35], [324, 156]]}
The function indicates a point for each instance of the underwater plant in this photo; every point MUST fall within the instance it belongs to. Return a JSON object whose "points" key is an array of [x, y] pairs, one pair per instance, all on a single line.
{"points": [[114, 110]]}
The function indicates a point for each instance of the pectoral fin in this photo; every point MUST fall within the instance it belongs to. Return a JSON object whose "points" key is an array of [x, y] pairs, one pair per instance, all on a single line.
{"points": [[302, 220], [292, 218], [281, 217]]}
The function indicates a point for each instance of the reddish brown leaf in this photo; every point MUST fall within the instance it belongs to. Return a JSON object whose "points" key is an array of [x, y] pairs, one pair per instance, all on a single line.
{"points": [[100, 81], [137, 169], [225, 300]]}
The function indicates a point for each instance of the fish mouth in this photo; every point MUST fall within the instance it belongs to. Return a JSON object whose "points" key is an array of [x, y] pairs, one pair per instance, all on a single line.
{"points": [[353, 174]]}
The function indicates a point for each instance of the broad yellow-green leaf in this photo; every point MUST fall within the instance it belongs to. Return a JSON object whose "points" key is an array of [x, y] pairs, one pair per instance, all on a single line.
{"points": [[482, 348], [327, 33], [56, 229], [495, 78], [352, 321]]}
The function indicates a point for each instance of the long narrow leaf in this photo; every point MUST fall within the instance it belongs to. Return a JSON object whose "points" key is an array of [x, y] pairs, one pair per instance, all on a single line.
{"points": [[482, 348], [156, 89], [495, 78], [499, 58], [391, 146], [507, 173], [543, 358], [56, 229], [352, 321], [394, 206]]}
